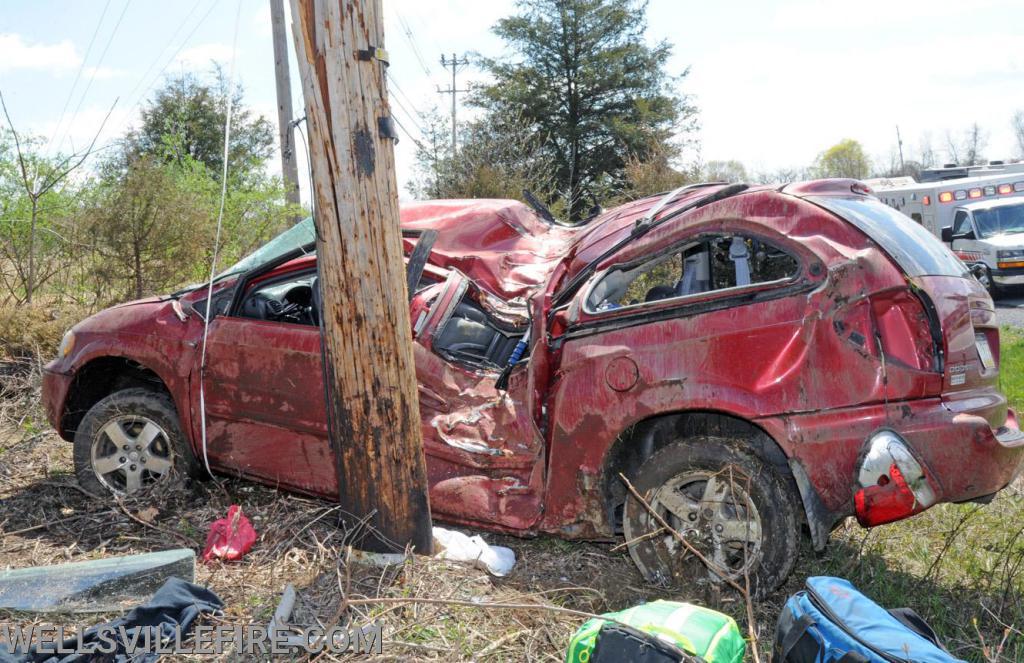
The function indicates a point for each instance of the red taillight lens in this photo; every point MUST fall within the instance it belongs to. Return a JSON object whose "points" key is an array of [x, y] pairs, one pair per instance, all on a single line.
{"points": [[880, 504], [905, 329]]}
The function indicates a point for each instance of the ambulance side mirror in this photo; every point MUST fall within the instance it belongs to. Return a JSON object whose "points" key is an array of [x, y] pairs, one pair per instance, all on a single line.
{"points": [[947, 234]]}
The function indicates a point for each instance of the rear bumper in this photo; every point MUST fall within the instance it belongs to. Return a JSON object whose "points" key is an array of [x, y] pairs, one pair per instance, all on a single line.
{"points": [[966, 454], [55, 392]]}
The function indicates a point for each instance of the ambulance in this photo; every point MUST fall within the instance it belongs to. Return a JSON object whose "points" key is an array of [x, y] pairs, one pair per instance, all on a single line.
{"points": [[977, 210]]}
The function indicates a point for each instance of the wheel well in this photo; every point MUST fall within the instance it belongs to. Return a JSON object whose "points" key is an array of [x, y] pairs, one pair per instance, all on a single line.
{"points": [[97, 380], [640, 441]]}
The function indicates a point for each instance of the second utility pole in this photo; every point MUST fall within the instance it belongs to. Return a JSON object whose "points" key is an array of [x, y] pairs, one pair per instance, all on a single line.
{"points": [[455, 63], [286, 128]]}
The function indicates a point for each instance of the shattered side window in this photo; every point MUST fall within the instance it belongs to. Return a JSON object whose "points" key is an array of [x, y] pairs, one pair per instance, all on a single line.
{"points": [[713, 263]]}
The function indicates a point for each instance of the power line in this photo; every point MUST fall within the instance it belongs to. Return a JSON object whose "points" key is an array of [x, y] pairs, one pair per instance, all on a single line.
{"points": [[195, 28], [71, 92], [412, 115], [412, 42], [168, 43], [412, 118], [99, 64], [407, 133]]}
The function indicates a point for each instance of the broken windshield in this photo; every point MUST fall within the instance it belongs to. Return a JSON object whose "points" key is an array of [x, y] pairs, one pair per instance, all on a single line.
{"points": [[301, 234], [1002, 220]]}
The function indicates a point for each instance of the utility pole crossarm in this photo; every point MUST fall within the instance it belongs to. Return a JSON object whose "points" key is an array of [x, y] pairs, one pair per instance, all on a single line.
{"points": [[369, 372]]}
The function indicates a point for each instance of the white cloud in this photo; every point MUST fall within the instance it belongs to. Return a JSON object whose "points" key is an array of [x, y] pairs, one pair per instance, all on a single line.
{"points": [[204, 55], [18, 54]]}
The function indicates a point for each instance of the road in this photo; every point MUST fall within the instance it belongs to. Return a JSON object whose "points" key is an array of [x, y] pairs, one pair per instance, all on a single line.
{"points": [[1010, 308]]}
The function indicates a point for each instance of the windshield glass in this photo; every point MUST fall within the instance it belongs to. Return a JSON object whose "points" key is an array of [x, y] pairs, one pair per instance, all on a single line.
{"points": [[301, 234], [915, 250], [1001, 220]]}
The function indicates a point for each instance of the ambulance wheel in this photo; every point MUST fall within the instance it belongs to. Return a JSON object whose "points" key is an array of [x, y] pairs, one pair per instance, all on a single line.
{"points": [[984, 276], [731, 507]]}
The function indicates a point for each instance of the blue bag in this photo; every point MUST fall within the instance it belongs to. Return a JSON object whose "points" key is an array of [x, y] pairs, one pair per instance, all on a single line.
{"points": [[831, 622]]}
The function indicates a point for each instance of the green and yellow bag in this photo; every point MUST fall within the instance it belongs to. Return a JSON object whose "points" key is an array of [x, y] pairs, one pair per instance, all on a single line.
{"points": [[659, 631]]}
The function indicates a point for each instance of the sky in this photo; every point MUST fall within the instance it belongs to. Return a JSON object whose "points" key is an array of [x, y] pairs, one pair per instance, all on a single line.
{"points": [[776, 82]]}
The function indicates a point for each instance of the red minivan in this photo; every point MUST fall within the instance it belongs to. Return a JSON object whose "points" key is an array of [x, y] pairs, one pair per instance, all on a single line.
{"points": [[760, 362]]}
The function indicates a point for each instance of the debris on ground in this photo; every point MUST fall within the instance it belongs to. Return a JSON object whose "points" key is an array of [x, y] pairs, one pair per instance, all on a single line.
{"points": [[458, 547], [165, 618], [230, 537], [101, 585]]}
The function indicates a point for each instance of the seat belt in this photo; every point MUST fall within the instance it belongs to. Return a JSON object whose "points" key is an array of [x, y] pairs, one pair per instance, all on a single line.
{"points": [[741, 258]]}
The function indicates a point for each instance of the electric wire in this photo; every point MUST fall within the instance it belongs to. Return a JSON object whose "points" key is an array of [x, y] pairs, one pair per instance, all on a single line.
{"points": [[88, 86], [216, 240], [78, 75], [185, 41], [407, 31]]}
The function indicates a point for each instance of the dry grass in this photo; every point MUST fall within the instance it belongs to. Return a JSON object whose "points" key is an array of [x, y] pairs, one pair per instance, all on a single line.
{"points": [[958, 565]]}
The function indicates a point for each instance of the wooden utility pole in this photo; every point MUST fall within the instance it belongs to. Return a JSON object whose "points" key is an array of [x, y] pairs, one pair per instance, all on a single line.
{"points": [[286, 128], [372, 400]]}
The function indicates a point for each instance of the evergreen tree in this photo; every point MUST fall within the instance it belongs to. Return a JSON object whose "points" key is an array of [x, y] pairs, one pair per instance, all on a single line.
{"points": [[582, 77]]}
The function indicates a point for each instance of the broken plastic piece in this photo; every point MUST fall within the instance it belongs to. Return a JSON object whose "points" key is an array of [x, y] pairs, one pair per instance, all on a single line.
{"points": [[456, 546], [230, 537], [102, 585]]}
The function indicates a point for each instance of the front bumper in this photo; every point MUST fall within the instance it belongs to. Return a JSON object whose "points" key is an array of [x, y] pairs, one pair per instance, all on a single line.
{"points": [[968, 442], [1008, 276], [56, 386]]}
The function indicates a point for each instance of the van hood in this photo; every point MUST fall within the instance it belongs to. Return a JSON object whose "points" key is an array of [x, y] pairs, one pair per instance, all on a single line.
{"points": [[1007, 241]]}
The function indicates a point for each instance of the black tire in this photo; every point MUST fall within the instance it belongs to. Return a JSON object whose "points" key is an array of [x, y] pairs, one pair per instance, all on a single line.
{"points": [[986, 280], [136, 413], [681, 473]]}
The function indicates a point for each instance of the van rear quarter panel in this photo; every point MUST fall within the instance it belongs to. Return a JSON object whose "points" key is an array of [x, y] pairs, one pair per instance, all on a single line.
{"points": [[760, 360]]}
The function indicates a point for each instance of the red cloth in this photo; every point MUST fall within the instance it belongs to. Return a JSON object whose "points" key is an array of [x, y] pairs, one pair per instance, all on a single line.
{"points": [[230, 537]]}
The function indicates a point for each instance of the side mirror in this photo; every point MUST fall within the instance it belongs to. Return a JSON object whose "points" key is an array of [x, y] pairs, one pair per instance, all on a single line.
{"points": [[965, 235], [947, 234]]}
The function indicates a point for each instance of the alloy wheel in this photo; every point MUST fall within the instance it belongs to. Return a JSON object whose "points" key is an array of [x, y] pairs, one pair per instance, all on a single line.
{"points": [[716, 515], [130, 453]]}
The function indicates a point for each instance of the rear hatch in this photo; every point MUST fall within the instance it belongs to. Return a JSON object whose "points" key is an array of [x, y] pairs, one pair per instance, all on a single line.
{"points": [[958, 308]]}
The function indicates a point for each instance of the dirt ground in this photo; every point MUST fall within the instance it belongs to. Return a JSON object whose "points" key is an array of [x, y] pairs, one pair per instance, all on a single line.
{"points": [[957, 565]]}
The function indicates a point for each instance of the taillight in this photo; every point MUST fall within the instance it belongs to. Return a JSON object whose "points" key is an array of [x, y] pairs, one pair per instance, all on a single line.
{"points": [[904, 329], [893, 484]]}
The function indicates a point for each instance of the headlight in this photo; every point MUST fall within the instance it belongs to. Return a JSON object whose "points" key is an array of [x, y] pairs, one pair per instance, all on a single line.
{"points": [[1010, 255], [67, 344]]}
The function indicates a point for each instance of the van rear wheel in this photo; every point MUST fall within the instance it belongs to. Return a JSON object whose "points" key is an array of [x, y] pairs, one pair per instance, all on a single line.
{"points": [[131, 441], [731, 507]]}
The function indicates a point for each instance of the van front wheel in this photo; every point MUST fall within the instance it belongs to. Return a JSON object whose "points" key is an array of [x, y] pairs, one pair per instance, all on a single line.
{"points": [[131, 441]]}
